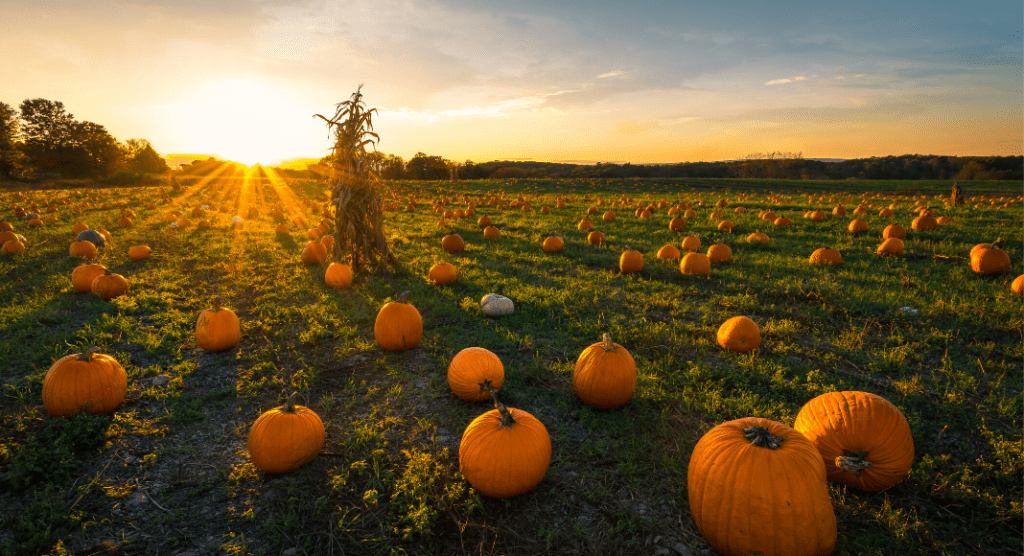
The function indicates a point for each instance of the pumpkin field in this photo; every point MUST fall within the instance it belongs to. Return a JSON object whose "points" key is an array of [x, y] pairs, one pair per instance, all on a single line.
{"points": [[609, 354]]}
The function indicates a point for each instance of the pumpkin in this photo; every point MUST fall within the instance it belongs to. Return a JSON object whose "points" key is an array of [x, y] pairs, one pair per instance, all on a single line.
{"points": [[78, 228], [314, 253], [924, 223], [739, 334], [91, 381], [585, 225], [725, 226], [218, 329], [494, 305], [608, 216], [84, 249], [474, 373], [281, 229], [328, 242], [595, 238], [695, 263], [630, 261], [691, 244], [108, 285], [505, 452], [452, 243], [669, 252], [857, 225], [758, 237], [894, 230], [605, 375], [285, 438], [719, 253], [891, 246], [863, 439], [826, 256], [399, 325], [885, 213], [943, 220], [442, 273], [553, 243], [94, 236], [83, 275], [139, 252], [490, 232], [818, 216], [781, 507], [677, 224], [839, 211], [1017, 286], [988, 259], [313, 234], [338, 275]]}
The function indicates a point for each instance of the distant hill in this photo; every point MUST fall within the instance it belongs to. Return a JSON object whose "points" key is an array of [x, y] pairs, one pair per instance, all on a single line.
{"points": [[296, 163]]}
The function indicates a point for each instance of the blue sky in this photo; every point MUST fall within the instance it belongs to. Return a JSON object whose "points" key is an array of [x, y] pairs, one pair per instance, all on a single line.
{"points": [[595, 81]]}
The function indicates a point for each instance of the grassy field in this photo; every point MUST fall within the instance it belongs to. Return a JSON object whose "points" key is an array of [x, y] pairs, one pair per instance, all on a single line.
{"points": [[168, 472]]}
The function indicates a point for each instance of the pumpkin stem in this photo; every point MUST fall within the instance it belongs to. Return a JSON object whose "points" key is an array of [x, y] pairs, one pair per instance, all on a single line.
{"points": [[853, 462], [485, 386], [609, 345], [506, 415], [217, 304], [403, 297], [87, 354], [759, 436], [289, 404]]}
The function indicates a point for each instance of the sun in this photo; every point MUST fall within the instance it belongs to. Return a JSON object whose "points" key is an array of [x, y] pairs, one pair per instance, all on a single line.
{"points": [[245, 120]]}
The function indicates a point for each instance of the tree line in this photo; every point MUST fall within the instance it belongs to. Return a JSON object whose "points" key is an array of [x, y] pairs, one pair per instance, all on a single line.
{"points": [[41, 139], [775, 165]]}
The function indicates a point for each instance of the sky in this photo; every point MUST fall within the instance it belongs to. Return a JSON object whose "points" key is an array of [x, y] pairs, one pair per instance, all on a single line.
{"points": [[609, 81]]}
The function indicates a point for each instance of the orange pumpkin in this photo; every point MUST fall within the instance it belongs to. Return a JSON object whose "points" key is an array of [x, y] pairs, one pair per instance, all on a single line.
{"points": [[669, 252], [691, 243], [338, 275], [109, 286], [891, 246], [285, 438], [988, 259], [314, 253], [595, 238], [399, 326], [605, 375], [826, 256], [695, 263], [585, 225], [739, 334], [630, 261], [474, 373], [84, 248], [1017, 286], [894, 230], [89, 381], [139, 252], [452, 243], [490, 232], [442, 273], [218, 329], [83, 275], [505, 452]]}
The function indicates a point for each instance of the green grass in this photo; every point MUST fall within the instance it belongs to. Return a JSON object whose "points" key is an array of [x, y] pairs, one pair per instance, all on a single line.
{"points": [[388, 481]]}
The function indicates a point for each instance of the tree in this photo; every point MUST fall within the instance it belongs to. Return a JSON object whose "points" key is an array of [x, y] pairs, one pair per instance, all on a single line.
{"points": [[140, 156], [12, 159], [93, 152], [425, 167], [46, 129]]}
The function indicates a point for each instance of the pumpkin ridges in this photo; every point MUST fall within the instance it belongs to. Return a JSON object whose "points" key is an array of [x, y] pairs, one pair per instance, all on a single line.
{"points": [[286, 428], [89, 377], [485, 445]]}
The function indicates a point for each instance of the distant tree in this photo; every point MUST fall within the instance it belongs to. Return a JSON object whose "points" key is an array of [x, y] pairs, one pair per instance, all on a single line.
{"points": [[93, 152], [12, 159], [46, 129], [392, 167], [425, 167], [140, 156]]}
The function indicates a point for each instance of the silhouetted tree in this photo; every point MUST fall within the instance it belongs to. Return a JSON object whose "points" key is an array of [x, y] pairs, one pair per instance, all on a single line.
{"points": [[12, 159]]}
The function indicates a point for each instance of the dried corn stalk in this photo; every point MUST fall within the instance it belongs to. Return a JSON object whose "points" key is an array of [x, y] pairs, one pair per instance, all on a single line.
{"points": [[356, 189]]}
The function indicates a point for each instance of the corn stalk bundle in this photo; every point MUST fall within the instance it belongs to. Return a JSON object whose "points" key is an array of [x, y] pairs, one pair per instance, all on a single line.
{"points": [[356, 189]]}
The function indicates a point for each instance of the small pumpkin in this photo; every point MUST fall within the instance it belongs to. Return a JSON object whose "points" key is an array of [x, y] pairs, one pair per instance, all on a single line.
{"points": [[605, 375], [83, 275], [505, 452], [475, 373], [780, 508], [725, 226], [894, 230], [924, 223], [677, 224], [585, 225], [595, 238], [863, 439], [399, 326], [739, 334], [826, 256], [314, 253], [84, 249], [452, 243], [719, 253], [669, 252], [490, 232], [442, 273], [695, 263], [691, 243], [109, 285], [90, 380], [988, 259], [891, 246], [553, 243], [218, 329], [285, 438], [1017, 286], [631, 261], [857, 225], [139, 252], [494, 305], [338, 275], [758, 237]]}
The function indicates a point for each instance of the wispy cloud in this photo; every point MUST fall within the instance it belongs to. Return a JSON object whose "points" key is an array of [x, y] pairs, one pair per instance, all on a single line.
{"points": [[610, 74], [786, 80]]}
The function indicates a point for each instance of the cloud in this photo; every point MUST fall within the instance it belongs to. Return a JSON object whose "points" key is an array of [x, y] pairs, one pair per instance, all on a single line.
{"points": [[610, 74], [786, 80]]}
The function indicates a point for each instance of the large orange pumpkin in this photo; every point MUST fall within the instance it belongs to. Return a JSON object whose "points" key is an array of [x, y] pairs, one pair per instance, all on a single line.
{"points": [[864, 440], [84, 249], [399, 326], [442, 273], [218, 329], [630, 261], [338, 275], [83, 275], [314, 253], [605, 375], [719, 253], [553, 243], [894, 230], [452, 243], [739, 334], [474, 373], [986, 258], [139, 252], [505, 452], [109, 285], [781, 507], [826, 256], [91, 381], [285, 437], [695, 263]]}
